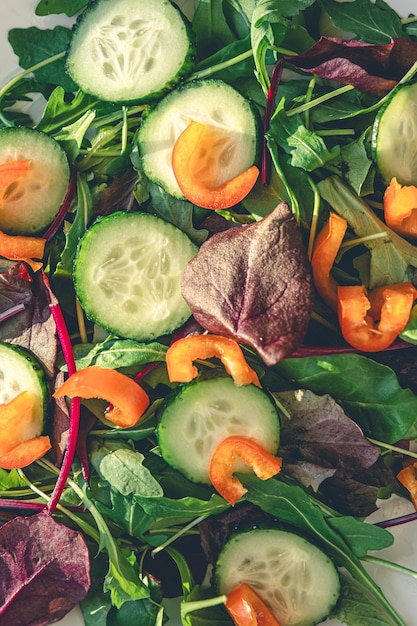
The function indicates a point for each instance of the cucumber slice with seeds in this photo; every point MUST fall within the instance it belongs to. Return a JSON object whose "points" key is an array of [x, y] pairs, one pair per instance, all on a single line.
{"points": [[394, 136], [210, 102], [127, 275], [20, 371], [129, 50], [200, 415], [297, 581], [29, 205]]}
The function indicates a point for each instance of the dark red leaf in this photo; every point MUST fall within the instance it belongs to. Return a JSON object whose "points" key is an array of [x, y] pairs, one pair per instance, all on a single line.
{"points": [[253, 283], [371, 68], [44, 570]]}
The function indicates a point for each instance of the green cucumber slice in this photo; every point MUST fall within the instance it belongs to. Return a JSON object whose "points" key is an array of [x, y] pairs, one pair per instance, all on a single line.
{"points": [[129, 50], [30, 204], [297, 581], [127, 275], [394, 136], [211, 102], [21, 371], [203, 413]]}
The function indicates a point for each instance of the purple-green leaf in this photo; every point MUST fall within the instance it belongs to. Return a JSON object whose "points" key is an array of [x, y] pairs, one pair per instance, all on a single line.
{"points": [[44, 570], [254, 284]]}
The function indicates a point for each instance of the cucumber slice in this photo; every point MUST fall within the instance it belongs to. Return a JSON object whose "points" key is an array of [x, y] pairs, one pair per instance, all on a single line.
{"points": [[21, 371], [30, 204], [129, 51], [297, 581], [394, 136], [200, 415], [211, 102], [127, 275]]}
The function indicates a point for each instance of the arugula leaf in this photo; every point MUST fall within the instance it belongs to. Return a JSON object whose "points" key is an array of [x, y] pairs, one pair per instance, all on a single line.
{"points": [[377, 23], [307, 149], [211, 28], [185, 507], [391, 257], [360, 536], [384, 410], [33, 45]]}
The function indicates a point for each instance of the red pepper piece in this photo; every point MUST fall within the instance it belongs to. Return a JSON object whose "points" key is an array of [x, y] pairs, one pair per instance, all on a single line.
{"points": [[372, 322], [264, 464], [128, 399], [195, 161], [326, 247], [400, 209], [246, 608], [22, 248], [408, 478], [16, 449], [182, 353], [11, 171]]}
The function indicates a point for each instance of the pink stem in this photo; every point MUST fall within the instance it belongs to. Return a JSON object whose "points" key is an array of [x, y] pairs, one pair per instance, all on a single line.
{"points": [[53, 228]]}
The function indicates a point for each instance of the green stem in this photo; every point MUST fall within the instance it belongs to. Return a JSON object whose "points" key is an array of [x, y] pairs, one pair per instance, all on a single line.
{"points": [[389, 564], [189, 607], [178, 534], [220, 66], [392, 448], [324, 98]]}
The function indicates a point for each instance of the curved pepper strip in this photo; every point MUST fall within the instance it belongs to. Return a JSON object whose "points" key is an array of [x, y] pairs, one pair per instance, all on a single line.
{"points": [[400, 209], [16, 450], [371, 323], [246, 608], [22, 248], [181, 354], [264, 464], [128, 399], [325, 250], [196, 168], [408, 478]]}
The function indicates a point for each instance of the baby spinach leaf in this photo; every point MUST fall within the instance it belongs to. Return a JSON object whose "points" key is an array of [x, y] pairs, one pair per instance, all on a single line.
{"points": [[373, 23], [44, 570], [211, 28], [33, 45], [384, 410], [117, 353], [253, 283]]}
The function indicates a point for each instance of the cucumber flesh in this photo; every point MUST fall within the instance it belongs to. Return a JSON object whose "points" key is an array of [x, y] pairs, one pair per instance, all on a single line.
{"points": [[128, 51], [296, 580], [31, 203], [210, 102], [200, 415], [394, 136], [127, 275], [20, 371]]}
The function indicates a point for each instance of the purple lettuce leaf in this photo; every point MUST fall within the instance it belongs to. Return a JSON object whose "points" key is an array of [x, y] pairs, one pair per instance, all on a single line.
{"points": [[371, 68], [254, 284], [44, 570], [32, 328]]}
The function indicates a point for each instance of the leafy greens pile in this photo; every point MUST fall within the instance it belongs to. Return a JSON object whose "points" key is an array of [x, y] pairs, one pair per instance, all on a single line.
{"points": [[148, 531]]}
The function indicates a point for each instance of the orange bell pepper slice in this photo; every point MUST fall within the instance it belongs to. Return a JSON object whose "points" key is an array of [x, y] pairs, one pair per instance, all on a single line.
{"points": [[128, 399], [22, 248], [11, 171], [372, 322], [400, 208], [195, 162], [325, 250], [246, 608], [264, 464], [181, 354], [408, 478], [16, 450]]}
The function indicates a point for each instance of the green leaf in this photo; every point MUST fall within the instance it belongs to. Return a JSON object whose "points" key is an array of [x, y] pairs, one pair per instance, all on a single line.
{"points": [[360, 536], [59, 112], [183, 507], [69, 7], [123, 469], [118, 353], [307, 149], [374, 23], [33, 45], [143, 612], [71, 137], [10, 480], [384, 410], [211, 28], [391, 255], [122, 580], [79, 226]]}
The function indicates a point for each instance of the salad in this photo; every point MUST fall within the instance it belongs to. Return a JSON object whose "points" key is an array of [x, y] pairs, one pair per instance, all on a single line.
{"points": [[208, 313]]}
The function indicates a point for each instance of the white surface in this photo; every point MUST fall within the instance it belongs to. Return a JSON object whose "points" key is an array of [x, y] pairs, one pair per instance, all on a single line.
{"points": [[400, 589]]}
